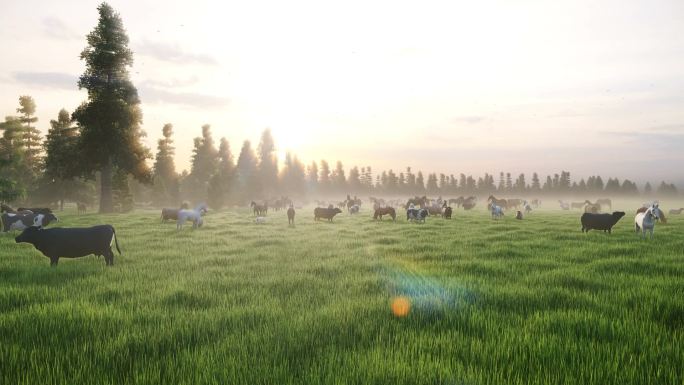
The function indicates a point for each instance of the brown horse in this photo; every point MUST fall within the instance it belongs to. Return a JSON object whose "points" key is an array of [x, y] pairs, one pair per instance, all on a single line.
{"points": [[259, 210], [503, 203], [592, 207], [379, 212]]}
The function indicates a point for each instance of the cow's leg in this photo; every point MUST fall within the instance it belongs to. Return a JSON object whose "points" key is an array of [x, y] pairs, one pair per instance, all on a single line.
{"points": [[109, 257]]}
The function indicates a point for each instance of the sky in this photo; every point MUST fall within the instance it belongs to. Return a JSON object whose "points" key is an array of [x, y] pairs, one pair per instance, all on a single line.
{"points": [[593, 87]]}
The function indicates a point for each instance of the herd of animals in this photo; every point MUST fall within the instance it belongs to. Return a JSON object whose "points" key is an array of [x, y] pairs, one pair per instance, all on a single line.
{"points": [[57, 243]]}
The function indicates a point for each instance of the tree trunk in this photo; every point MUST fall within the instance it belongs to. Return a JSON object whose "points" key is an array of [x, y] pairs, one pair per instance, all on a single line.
{"points": [[106, 204]]}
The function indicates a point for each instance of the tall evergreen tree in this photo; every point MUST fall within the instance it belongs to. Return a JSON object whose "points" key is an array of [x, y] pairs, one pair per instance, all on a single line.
{"points": [[60, 146], [204, 163], [166, 184], [536, 186], [648, 189], [221, 183], [354, 180], [30, 134], [268, 164], [14, 169], [324, 177], [110, 119], [247, 177], [312, 177], [420, 183], [339, 180]]}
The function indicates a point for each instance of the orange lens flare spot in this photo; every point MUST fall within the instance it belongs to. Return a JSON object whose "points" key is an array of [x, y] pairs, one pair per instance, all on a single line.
{"points": [[401, 306]]}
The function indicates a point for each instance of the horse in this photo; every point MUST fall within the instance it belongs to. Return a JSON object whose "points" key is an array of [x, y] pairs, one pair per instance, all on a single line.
{"points": [[645, 221], [458, 201], [469, 203], [385, 211], [656, 209], [676, 211], [352, 202], [416, 201], [514, 203], [193, 215], [497, 211], [501, 203], [605, 202], [167, 213], [259, 210]]}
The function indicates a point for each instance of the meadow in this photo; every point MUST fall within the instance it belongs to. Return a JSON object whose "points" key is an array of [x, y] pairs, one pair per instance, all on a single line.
{"points": [[491, 302]]}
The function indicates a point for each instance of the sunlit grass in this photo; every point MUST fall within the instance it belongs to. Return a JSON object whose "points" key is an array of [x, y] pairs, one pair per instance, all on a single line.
{"points": [[487, 302]]}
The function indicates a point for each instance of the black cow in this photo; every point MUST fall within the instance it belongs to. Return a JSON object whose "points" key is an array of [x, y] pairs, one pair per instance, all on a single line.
{"points": [[329, 213], [603, 222], [72, 242], [418, 215]]}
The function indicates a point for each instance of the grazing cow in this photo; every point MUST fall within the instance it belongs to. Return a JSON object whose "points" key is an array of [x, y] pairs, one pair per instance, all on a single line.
{"points": [[676, 211], [578, 205], [385, 211], [497, 211], [434, 210], [81, 207], [646, 221], [519, 215], [416, 214], [605, 202], [72, 242], [446, 214], [195, 216], [22, 221], [605, 222], [354, 209], [660, 216], [326, 213], [290, 216], [36, 210], [564, 205]]}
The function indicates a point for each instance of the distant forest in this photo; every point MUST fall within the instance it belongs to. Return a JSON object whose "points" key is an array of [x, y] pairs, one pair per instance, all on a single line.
{"points": [[95, 154]]}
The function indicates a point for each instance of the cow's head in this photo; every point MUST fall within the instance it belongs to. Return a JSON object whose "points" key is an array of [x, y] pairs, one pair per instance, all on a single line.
{"points": [[42, 220], [28, 235]]}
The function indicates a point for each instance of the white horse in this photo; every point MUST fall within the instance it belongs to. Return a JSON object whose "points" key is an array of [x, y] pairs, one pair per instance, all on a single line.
{"points": [[497, 211], [646, 221], [193, 215]]}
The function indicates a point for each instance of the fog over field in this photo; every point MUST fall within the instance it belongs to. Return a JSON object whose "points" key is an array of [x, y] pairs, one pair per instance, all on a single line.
{"points": [[453, 86]]}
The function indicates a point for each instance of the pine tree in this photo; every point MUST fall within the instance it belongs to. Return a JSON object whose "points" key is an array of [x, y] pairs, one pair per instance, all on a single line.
{"points": [[509, 182], [502, 182], [58, 181], [324, 178], [420, 183], [247, 177], [221, 183], [312, 176], [110, 119], [648, 189], [339, 180], [166, 186], [432, 187], [31, 137], [268, 164], [536, 187], [204, 164], [12, 153], [354, 180]]}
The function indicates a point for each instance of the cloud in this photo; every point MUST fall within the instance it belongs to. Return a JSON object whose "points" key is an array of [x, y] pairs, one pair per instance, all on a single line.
{"points": [[173, 53], [57, 80], [155, 95], [468, 119], [171, 83], [57, 29]]}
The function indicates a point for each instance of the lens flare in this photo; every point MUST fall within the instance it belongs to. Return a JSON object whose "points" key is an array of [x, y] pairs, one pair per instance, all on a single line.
{"points": [[401, 306]]}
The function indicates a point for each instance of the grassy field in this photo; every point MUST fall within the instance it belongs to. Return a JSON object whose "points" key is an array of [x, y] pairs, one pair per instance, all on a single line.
{"points": [[491, 302]]}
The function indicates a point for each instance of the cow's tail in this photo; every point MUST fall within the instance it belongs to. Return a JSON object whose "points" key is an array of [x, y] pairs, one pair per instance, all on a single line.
{"points": [[116, 242]]}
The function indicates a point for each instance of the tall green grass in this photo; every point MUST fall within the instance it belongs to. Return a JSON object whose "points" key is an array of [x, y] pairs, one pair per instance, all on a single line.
{"points": [[492, 302]]}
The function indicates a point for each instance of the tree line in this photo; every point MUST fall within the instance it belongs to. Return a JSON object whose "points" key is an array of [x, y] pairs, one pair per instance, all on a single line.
{"points": [[97, 150]]}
